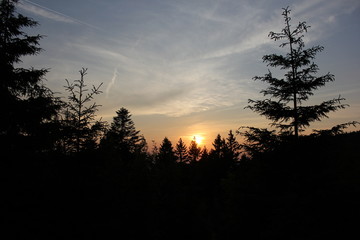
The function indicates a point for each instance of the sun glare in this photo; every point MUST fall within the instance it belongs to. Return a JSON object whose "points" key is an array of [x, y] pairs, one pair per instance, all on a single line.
{"points": [[198, 139]]}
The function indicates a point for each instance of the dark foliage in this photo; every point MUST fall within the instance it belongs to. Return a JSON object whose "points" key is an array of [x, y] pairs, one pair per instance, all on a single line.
{"points": [[273, 195], [29, 105]]}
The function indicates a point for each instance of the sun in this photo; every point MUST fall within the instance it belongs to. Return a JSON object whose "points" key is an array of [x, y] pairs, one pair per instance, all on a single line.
{"points": [[198, 139]]}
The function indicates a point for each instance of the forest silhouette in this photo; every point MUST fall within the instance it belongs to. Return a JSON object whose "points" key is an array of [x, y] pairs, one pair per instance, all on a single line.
{"points": [[66, 174]]}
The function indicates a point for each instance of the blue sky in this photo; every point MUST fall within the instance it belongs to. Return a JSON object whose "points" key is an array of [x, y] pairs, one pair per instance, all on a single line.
{"points": [[185, 68]]}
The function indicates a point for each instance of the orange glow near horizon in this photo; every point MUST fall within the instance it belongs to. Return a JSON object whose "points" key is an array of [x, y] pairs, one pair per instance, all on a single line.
{"points": [[198, 138]]}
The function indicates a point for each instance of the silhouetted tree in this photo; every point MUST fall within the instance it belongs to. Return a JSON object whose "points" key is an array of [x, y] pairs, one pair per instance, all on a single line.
{"points": [[220, 149], [287, 112], [222, 154], [194, 151], [79, 114], [204, 154], [259, 140], [154, 152], [233, 147], [336, 130], [166, 154], [181, 151], [28, 105], [122, 137]]}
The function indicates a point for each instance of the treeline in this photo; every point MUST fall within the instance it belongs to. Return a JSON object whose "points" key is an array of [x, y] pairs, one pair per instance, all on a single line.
{"points": [[311, 189], [66, 174]]}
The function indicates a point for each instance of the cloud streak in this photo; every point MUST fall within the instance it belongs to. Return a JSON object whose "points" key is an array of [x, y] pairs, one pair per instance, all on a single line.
{"points": [[176, 58], [48, 13], [179, 77], [112, 82]]}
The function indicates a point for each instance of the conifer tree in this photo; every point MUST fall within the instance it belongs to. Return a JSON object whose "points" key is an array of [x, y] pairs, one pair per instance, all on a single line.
{"points": [[219, 148], [181, 151], [122, 137], [233, 146], [194, 151], [166, 154], [80, 114], [204, 154], [259, 140], [28, 105], [285, 108]]}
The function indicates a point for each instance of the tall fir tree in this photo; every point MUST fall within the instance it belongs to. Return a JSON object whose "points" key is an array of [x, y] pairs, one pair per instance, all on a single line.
{"points": [[122, 137], [181, 151], [233, 147], [166, 154], [194, 151], [299, 82], [79, 115], [29, 105], [219, 150]]}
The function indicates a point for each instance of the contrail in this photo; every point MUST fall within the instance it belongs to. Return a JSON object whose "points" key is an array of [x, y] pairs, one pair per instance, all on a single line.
{"points": [[64, 17], [112, 82]]}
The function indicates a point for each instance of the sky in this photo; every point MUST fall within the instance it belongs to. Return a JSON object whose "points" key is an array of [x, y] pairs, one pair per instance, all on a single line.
{"points": [[184, 68]]}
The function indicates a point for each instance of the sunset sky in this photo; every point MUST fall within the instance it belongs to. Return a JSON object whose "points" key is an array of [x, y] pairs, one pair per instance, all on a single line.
{"points": [[185, 67]]}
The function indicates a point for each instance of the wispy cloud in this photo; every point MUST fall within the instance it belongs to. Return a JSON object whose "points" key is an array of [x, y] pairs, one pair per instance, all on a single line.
{"points": [[173, 72], [321, 15], [48, 13], [186, 57]]}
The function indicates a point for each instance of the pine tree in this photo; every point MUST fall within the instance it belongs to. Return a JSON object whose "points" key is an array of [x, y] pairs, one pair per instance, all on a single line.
{"points": [[80, 114], [181, 151], [29, 106], [287, 112], [122, 137]]}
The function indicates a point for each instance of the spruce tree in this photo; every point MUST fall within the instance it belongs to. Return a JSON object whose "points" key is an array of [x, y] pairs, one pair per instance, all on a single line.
{"points": [[285, 108], [181, 151], [166, 154], [233, 146], [259, 140], [219, 148], [204, 154], [194, 151], [80, 113], [122, 137], [28, 105]]}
